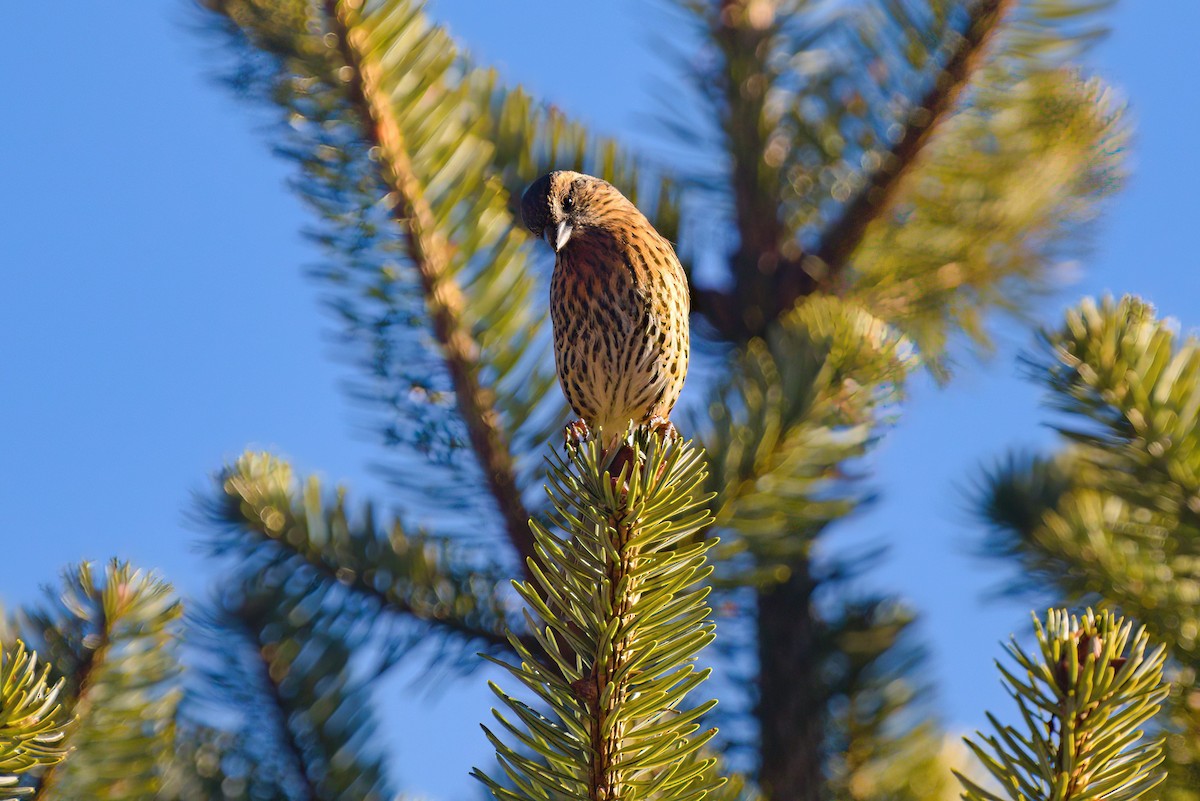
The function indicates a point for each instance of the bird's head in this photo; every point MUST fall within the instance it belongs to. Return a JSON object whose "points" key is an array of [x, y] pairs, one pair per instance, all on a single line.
{"points": [[564, 204]]}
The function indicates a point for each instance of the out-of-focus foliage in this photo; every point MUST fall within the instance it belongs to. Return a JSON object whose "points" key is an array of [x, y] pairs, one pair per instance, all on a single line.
{"points": [[892, 150], [282, 709], [997, 199], [271, 523], [793, 409], [1083, 700], [880, 745], [32, 721], [996, 206], [918, 766], [113, 638], [620, 619]]}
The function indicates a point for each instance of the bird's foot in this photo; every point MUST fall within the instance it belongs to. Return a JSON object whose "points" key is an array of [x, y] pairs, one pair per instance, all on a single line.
{"points": [[575, 434], [663, 427]]}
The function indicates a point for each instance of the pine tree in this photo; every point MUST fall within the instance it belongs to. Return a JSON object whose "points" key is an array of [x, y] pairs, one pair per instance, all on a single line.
{"points": [[891, 176]]}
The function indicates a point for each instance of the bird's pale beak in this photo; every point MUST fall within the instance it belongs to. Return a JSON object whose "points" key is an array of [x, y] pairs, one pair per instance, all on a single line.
{"points": [[557, 237]]}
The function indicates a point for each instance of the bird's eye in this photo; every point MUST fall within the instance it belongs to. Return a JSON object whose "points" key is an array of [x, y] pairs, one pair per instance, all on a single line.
{"points": [[568, 203]]}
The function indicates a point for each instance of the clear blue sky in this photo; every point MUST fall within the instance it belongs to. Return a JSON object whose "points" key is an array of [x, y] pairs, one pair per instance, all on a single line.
{"points": [[155, 320]]}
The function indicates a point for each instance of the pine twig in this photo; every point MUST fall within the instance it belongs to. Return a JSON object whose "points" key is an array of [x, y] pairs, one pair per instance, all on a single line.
{"points": [[1085, 696], [620, 585], [32, 729]]}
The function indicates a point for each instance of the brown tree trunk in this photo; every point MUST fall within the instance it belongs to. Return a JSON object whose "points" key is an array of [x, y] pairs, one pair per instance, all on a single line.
{"points": [[791, 708]]}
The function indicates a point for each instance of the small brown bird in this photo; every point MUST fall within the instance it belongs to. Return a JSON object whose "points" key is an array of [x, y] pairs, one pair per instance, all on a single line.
{"points": [[618, 303]]}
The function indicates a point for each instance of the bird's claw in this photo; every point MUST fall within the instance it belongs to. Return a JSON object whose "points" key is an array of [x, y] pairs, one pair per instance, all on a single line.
{"points": [[575, 434], [664, 428]]}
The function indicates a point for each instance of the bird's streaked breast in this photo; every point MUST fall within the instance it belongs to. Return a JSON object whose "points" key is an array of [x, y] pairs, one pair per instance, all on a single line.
{"points": [[620, 323]]}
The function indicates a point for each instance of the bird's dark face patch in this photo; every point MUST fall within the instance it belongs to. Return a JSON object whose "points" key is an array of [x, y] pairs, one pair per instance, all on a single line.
{"points": [[535, 204], [563, 205]]}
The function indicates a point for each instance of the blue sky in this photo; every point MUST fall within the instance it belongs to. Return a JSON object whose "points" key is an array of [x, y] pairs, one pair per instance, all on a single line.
{"points": [[155, 321]]}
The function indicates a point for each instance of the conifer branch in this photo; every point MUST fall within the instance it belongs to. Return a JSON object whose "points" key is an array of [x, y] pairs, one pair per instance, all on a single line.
{"points": [[430, 254], [797, 405], [1084, 697], [284, 694], [258, 498], [800, 403], [842, 238], [617, 589]]}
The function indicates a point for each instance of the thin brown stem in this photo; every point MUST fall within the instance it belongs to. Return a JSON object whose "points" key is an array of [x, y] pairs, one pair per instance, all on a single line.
{"points": [[604, 783], [875, 199], [430, 253]]}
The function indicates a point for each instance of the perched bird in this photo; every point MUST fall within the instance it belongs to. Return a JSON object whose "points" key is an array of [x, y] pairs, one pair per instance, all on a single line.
{"points": [[618, 303]]}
